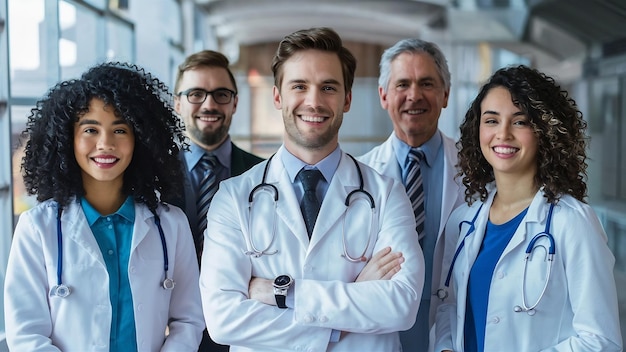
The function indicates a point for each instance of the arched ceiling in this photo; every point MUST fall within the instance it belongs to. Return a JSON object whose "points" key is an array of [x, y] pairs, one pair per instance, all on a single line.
{"points": [[550, 29]]}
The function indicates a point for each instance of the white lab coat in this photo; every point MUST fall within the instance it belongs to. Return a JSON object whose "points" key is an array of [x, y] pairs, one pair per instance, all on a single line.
{"points": [[579, 309], [81, 321], [325, 295], [383, 159]]}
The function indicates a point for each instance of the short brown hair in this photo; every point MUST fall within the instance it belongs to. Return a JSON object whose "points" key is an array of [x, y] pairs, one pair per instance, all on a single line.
{"points": [[325, 39], [208, 58]]}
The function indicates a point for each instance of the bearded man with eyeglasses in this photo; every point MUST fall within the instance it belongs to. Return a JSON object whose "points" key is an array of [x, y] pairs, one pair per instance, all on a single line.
{"points": [[205, 96]]}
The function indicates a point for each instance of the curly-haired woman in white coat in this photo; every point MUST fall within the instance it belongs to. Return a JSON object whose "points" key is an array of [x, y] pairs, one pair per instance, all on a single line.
{"points": [[522, 159]]}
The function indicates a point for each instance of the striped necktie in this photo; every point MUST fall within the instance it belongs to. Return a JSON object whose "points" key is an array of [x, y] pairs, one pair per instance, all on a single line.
{"points": [[208, 186], [415, 189], [310, 205]]}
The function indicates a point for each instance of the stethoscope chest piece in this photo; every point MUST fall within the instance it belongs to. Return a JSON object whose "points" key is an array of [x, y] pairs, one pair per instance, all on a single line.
{"points": [[529, 311], [60, 291], [168, 284]]}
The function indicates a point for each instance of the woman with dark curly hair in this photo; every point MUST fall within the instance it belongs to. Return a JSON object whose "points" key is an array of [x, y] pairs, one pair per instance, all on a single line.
{"points": [[531, 269], [101, 263]]}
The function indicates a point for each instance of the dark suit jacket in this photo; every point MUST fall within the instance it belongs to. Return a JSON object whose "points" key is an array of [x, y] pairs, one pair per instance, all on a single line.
{"points": [[240, 162]]}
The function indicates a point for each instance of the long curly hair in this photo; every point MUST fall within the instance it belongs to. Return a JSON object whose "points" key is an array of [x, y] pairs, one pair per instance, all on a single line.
{"points": [[557, 123], [49, 165]]}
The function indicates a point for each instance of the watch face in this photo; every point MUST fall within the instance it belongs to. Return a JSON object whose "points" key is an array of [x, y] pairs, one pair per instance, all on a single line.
{"points": [[282, 280]]}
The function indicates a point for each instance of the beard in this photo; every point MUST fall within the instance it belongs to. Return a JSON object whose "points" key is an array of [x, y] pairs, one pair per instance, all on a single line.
{"points": [[312, 142], [209, 136]]}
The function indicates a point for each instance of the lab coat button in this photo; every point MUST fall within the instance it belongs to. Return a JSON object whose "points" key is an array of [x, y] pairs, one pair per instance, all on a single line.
{"points": [[500, 275], [323, 319], [308, 319]]}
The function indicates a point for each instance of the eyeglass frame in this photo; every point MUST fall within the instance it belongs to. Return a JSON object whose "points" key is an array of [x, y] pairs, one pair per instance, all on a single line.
{"points": [[207, 93]]}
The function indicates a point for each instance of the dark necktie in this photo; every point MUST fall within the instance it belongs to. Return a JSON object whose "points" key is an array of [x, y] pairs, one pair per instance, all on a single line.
{"points": [[310, 205], [208, 186], [415, 189]]}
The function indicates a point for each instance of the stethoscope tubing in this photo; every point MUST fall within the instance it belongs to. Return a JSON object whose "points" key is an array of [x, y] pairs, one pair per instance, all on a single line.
{"points": [[442, 293], [253, 251], [63, 290]]}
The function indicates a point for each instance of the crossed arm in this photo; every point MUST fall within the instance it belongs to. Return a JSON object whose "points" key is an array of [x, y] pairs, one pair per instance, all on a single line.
{"points": [[382, 266]]}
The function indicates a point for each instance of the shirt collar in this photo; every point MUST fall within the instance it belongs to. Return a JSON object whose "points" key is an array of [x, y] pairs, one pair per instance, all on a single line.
{"points": [[126, 211], [327, 166], [222, 153], [430, 148]]}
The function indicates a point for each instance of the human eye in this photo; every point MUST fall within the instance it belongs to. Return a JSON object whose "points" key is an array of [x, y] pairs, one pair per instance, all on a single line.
{"points": [[402, 85], [196, 93], [90, 130], [329, 89], [489, 120], [522, 122], [298, 87], [428, 85], [221, 93]]}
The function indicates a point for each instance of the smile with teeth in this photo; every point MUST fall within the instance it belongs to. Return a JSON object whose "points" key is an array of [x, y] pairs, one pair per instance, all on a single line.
{"points": [[208, 118], [105, 160], [416, 111], [505, 150], [306, 118]]}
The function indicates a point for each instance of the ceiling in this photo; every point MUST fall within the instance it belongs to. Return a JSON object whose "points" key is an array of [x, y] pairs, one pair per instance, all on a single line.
{"points": [[556, 30]]}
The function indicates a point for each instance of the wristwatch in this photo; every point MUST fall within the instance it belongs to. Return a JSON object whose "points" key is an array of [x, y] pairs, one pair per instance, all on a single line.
{"points": [[281, 286]]}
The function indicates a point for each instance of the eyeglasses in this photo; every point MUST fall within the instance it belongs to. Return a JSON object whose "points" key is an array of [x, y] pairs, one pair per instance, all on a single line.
{"points": [[198, 96]]}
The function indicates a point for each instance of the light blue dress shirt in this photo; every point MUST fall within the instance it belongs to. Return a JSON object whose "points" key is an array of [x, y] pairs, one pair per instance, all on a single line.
{"points": [[114, 234]]}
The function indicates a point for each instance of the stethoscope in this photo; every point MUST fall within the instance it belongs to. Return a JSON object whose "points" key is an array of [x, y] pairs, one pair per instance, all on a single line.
{"points": [[529, 309], [253, 251], [62, 290]]}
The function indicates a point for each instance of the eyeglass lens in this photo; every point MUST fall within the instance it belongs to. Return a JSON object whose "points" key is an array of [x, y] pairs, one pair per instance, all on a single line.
{"points": [[198, 96]]}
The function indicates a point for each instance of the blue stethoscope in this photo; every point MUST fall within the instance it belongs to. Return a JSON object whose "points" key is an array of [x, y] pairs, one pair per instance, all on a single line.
{"points": [[253, 251], [529, 309], [62, 290]]}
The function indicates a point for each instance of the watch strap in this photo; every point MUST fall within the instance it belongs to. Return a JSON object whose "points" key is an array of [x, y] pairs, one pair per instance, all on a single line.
{"points": [[280, 301]]}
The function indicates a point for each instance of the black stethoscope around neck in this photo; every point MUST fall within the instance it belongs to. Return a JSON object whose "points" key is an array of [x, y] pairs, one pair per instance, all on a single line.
{"points": [[62, 290], [253, 251]]}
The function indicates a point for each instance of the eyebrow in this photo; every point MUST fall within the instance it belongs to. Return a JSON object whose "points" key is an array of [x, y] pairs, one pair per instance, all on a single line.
{"points": [[497, 113], [95, 122], [326, 81]]}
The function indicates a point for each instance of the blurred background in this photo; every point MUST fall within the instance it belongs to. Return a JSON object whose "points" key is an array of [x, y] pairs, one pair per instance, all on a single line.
{"points": [[581, 43]]}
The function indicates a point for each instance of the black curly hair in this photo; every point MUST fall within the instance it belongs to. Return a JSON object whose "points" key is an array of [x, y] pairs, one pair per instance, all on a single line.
{"points": [[556, 122], [49, 166]]}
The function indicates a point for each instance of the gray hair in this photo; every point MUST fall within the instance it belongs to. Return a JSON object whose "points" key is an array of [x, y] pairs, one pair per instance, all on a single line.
{"points": [[413, 45]]}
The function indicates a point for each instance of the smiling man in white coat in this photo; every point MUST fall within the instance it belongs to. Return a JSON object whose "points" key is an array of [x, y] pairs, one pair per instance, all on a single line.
{"points": [[273, 281], [414, 86]]}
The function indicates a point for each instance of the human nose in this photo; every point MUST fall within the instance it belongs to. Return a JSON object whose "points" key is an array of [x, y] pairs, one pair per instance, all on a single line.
{"points": [[313, 98], [209, 102], [503, 131], [106, 141], [414, 93]]}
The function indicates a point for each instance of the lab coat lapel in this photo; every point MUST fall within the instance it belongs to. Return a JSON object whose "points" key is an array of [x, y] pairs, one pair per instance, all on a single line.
{"points": [[386, 162], [76, 228], [535, 215], [143, 220], [475, 239], [288, 207], [333, 207]]}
